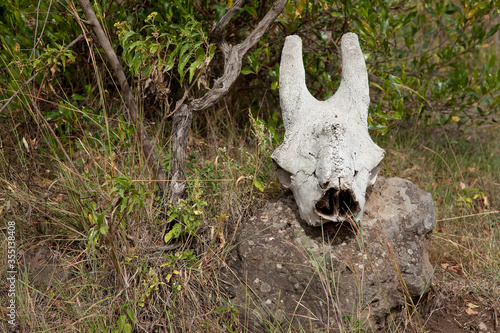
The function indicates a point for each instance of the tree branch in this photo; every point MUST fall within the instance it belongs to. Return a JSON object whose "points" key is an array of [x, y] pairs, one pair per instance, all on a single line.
{"points": [[147, 145], [219, 27], [233, 59]]}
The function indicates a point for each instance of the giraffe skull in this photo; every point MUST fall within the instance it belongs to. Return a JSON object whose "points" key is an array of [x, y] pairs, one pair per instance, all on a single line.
{"points": [[327, 158]]}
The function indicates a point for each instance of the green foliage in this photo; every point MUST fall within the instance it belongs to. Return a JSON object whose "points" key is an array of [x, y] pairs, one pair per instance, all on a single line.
{"points": [[187, 214], [126, 321], [99, 226], [166, 45], [127, 199], [151, 284], [428, 61], [471, 197], [129, 193], [268, 136]]}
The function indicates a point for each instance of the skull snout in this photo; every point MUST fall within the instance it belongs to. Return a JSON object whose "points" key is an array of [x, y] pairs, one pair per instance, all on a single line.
{"points": [[337, 204]]}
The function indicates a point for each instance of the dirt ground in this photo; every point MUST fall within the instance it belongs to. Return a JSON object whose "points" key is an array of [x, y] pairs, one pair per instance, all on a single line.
{"points": [[453, 305]]}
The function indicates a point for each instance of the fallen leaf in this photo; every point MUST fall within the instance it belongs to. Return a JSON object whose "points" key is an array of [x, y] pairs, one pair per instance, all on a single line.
{"points": [[452, 268], [472, 306], [222, 240], [486, 203], [471, 312], [26, 144]]}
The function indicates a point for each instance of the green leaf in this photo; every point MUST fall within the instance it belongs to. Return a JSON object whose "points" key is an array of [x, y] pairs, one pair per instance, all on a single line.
{"points": [[172, 216], [184, 49], [200, 57], [153, 48], [258, 184], [100, 218], [130, 314], [170, 60], [246, 71], [395, 80], [211, 51], [182, 63], [103, 229], [77, 97], [174, 233]]}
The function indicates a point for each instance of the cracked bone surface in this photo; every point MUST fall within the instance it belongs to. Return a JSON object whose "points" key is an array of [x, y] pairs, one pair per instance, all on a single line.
{"points": [[327, 158]]}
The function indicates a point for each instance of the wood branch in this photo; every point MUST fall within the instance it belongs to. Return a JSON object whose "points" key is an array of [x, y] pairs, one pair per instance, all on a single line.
{"points": [[180, 132], [233, 59], [219, 27], [148, 146]]}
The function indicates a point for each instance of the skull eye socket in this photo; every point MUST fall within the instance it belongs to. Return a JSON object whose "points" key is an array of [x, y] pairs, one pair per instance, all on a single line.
{"points": [[336, 204], [285, 177]]}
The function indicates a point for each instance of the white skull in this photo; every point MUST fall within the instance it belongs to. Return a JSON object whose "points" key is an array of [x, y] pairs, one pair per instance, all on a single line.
{"points": [[327, 158]]}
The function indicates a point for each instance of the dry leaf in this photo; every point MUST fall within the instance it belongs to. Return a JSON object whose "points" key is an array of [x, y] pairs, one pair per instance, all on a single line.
{"points": [[452, 268], [222, 239], [472, 305], [471, 312], [486, 203], [456, 269], [26, 145]]}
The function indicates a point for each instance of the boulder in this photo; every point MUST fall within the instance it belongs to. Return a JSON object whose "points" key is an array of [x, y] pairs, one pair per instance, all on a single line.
{"points": [[339, 274]]}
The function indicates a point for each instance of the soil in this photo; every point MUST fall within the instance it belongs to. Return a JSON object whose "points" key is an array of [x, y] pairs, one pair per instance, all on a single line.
{"points": [[451, 308]]}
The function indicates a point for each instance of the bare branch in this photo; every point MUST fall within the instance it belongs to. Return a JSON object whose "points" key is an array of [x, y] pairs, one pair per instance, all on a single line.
{"points": [[147, 144], [262, 27], [219, 27], [233, 58]]}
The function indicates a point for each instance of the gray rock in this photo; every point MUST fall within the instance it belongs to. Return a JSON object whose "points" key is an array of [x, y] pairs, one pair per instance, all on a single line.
{"points": [[336, 276]]}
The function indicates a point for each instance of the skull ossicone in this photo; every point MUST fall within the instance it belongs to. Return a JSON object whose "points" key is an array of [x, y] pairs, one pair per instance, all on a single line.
{"points": [[327, 158]]}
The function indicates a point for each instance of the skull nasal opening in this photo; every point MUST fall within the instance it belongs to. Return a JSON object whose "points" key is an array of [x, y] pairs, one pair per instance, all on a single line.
{"points": [[337, 205]]}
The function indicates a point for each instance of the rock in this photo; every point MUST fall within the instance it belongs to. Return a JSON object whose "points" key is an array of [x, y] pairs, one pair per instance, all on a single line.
{"points": [[337, 275]]}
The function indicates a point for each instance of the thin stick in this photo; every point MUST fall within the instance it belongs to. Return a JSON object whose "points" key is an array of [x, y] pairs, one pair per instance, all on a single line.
{"points": [[471, 215], [148, 146]]}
